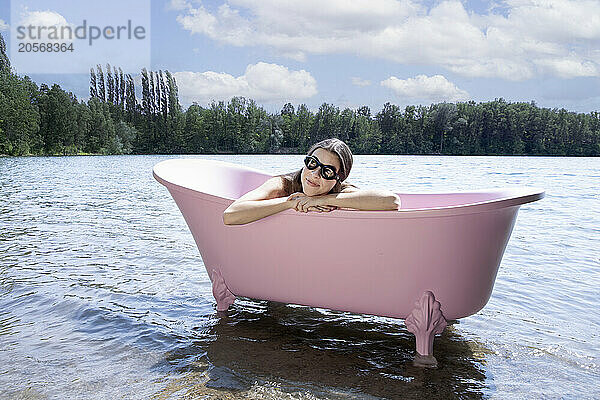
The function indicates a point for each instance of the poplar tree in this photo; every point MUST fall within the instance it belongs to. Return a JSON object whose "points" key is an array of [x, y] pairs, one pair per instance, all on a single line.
{"points": [[121, 89], [146, 107], [101, 91], [131, 103], [93, 88], [164, 95], [158, 93], [117, 86], [152, 94], [145, 142], [110, 85], [174, 107]]}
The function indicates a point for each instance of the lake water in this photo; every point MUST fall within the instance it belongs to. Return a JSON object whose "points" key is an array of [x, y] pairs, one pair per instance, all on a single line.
{"points": [[103, 294]]}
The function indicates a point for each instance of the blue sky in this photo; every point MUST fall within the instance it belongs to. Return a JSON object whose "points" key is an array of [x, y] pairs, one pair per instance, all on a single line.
{"points": [[348, 53]]}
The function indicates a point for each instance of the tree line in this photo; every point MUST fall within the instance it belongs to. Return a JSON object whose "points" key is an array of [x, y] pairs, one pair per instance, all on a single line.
{"points": [[50, 121]]}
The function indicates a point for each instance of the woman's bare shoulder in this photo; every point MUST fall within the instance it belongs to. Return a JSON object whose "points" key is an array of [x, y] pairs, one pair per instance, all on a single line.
{"points": [[270, 189], [277, 186]]}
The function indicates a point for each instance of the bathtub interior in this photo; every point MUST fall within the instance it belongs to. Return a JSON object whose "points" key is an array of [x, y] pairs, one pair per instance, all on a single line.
{"points": [[217, 178], [230, 181]]}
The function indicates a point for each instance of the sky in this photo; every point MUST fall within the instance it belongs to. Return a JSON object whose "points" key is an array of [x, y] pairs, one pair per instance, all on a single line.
{"points": [[348, 53]]}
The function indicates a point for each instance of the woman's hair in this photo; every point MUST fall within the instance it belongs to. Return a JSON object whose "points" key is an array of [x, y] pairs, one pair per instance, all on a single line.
{"points": [[292, 181]]}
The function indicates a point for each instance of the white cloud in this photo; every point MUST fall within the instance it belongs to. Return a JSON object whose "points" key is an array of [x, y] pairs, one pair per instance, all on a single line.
{"points": [[3, 25], [261, 82], [356, 81], [520, 40], [227, 26], [43, 21], [557, 20], [42, 18], [426, 88], [569, 68], [179, 5]]}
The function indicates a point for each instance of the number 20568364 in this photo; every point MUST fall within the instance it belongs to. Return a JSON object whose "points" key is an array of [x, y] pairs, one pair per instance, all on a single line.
{"points": [[45, 47]]}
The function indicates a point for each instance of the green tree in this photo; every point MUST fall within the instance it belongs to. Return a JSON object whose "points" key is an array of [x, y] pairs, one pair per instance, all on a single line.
{"points": [[326, 123], [93, 84], [365, 134], [131, 106], [4, 61], [19, 116], [288, 116], [101, 138], [122, 142], [302, 125], [122, 84], [195, 139], [57, 126], [443, 116], [173, 96], [389, 121], [101, 87], [110, 85]]}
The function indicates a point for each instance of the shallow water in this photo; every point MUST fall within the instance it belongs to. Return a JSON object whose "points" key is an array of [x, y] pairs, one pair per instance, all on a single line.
{"points": [[103, 294]]}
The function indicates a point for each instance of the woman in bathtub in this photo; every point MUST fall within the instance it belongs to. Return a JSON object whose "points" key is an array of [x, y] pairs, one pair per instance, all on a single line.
{"points": [[318, 187]]}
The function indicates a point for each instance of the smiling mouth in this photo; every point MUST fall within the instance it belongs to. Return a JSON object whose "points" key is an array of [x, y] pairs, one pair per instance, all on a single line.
{"points": [[311, 183]]}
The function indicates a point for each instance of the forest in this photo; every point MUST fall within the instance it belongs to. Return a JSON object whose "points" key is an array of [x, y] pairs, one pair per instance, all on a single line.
{"points": [[50, 121]]}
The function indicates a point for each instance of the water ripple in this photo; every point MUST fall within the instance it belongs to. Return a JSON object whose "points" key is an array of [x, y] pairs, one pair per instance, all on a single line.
{"points": [[103, 294]]}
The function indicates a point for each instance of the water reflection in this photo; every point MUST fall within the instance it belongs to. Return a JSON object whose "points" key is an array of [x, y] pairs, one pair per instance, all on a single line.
{"points": [[311, 352]]}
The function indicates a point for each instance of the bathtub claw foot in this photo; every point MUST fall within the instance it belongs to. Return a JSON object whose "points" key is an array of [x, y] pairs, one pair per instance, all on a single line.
{"points": [[220, 291], [425, 321], [424, 361]]}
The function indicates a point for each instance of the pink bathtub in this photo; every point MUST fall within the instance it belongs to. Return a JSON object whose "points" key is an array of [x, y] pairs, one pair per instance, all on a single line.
{"points": [[433, 261]]}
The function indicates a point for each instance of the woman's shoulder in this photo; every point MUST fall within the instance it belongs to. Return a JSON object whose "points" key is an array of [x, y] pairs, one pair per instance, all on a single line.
{"points": [[269, 189], [285, 184], [277, 186]]}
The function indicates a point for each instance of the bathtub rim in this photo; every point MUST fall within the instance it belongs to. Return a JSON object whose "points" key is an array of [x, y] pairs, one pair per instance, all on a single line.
{"points": [[521, 195]]}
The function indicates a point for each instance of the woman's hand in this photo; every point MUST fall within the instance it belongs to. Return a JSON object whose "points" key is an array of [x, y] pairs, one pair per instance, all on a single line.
{"points": [[296, 196], [304, 203]]}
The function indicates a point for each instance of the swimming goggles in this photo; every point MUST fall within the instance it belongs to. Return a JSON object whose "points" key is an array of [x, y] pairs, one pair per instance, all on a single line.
{"points": [[327, 171]]}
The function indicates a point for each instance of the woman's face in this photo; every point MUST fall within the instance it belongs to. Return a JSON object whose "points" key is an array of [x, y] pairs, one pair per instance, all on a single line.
{"points": [[312, 182]]}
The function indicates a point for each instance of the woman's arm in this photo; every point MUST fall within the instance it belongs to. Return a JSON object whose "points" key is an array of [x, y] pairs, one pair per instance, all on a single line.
{"points": [[252, 210], [366, 200], [258, 203], [369, 200]]}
